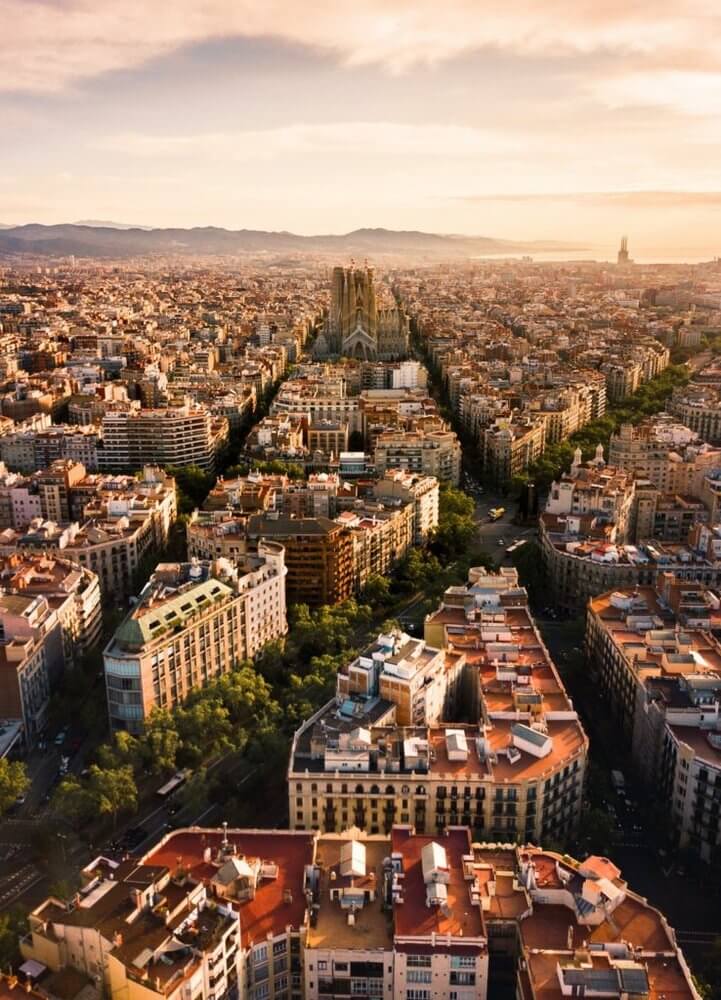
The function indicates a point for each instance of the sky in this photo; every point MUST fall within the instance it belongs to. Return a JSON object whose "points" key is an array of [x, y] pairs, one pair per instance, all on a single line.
{"points": [[519, 119]]}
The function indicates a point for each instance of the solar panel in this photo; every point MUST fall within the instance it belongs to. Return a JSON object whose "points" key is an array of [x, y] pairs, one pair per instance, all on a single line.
{"points": [[634, 980]]}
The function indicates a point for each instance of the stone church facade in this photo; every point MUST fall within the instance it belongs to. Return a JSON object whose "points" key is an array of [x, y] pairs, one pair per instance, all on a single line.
{"points": [[357, 326]]}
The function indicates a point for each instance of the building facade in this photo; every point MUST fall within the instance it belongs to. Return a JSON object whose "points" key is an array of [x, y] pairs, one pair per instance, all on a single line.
{"points": [[358, 324], [658, 669], [389, 750], [192, 622], [271, 915]]}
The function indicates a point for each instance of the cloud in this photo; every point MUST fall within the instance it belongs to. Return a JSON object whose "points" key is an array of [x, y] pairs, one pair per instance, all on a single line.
{"points": [[691, 92], [54, 43], [603, 199], [350, 139]]}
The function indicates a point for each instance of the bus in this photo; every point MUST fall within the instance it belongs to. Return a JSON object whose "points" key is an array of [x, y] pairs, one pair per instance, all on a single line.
{"points": [[515, 545], [495, 513], [173, 784]]}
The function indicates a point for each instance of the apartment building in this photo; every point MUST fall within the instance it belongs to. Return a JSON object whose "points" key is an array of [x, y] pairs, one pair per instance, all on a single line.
{"points": [[386, 751], [622, 379], [580, 561], [217, 534], [31, 660], [421, 491], [106, 524], [381, 529], [603, 529], [151, 490], [146, 931], [595, 489], [330, 437], [436, 453], [28, 450], [420, 680], [316, 398], [72, 592], [318, 555], [396, 409], [668, 454], [698, 406], [62, 492], [279, 436], [186, 435], [270, 914], [436, 935], [111, 546], [382, 533], [510, 445], [658, 667], [192, 622]]}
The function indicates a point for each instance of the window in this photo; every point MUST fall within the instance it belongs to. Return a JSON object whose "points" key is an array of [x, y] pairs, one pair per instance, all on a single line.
{"points": [[418, 961], [419, 976]]}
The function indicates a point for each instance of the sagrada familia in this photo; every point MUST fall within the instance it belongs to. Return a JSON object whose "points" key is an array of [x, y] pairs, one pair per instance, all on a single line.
{"points": [[356, 326]]}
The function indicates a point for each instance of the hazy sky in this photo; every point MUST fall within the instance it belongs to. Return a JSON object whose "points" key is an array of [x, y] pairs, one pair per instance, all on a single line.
{"points": [[530, 119]]}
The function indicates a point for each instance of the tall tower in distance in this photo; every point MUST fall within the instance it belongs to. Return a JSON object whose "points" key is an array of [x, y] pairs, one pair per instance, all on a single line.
{"points": [[623, 257]]}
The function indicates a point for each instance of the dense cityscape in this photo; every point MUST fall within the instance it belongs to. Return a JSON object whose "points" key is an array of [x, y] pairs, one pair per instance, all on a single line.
{"points": [[361, 628]]}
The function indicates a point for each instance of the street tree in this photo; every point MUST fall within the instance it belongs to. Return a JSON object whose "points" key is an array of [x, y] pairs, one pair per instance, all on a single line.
{"points": [[74, 801], [13, 782], [161, 742], [114, 790]]}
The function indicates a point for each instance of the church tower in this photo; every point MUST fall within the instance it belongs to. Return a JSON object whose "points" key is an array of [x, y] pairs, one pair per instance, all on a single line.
{"points": [[623, 252], [356, 326]]}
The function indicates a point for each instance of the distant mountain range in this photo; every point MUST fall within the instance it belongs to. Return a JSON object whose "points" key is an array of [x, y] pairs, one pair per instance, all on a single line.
{"points": [[105, 224], [108, 239]]}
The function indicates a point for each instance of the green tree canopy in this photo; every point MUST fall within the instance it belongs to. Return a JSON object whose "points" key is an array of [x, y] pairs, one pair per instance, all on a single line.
{"points": [[74, 801], [114, 790], [13, 924], [161, 742], [193, 485], [13, 782], [377, 590]]}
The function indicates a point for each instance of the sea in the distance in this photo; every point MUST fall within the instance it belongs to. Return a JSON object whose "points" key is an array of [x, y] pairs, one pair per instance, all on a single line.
{"points": [[607, 255]]}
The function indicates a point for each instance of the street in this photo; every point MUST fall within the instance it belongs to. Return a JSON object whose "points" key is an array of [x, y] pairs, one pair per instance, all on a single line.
{"points": [[495, 536], [692, 911]]}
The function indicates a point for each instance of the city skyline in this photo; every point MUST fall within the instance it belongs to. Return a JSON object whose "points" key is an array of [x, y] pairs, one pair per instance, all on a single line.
{"points": [[537, 123]]}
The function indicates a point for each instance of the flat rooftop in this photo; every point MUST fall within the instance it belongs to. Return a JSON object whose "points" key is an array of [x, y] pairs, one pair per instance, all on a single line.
{"points": [[461, 918], [372, 928], [272, 909]]}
